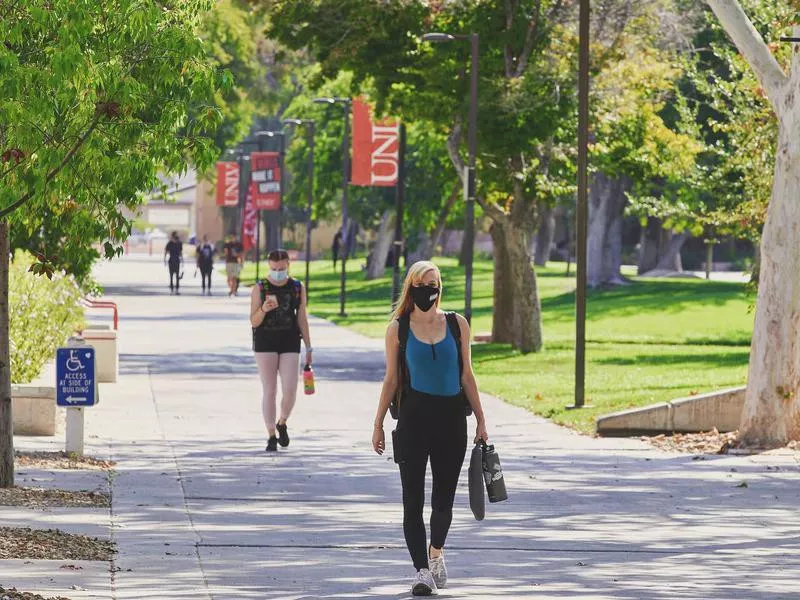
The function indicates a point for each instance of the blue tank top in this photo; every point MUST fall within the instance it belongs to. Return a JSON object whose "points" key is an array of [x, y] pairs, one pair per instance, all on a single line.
{"points": [[433, 368]]}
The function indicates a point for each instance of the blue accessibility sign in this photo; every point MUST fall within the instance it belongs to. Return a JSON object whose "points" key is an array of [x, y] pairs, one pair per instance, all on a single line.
{"points": [[75, 377]]}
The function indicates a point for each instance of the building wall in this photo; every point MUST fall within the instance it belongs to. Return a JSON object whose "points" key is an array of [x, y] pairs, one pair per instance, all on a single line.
{"points": [[208, 214]]}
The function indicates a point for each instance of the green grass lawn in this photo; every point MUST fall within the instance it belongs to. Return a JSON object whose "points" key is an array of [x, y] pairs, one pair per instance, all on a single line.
{"points": [[651, 341]]}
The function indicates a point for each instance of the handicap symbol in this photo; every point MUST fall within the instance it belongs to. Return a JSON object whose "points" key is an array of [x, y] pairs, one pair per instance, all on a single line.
{"points": [[73, 362]]}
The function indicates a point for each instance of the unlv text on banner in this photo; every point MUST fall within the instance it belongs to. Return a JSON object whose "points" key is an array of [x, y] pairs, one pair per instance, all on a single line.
{"points": [[375, 148], [227, 184]]}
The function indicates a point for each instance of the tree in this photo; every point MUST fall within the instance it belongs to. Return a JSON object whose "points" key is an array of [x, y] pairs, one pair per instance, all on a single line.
{"points": [[772, 408], [633, 152], [721, 106], [100, 96], [527, 59], [428, 180]]}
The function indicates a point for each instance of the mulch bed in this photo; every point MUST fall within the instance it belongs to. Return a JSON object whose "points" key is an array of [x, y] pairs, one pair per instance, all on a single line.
{"points": [[60, 460], [710, 442], [14, 594], [51, 544], [46, 498]]}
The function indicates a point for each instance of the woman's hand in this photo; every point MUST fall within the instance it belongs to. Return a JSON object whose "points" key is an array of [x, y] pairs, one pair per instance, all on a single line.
{"points": [[309, 357], [271, 303], [378, 440], [480, 432]]}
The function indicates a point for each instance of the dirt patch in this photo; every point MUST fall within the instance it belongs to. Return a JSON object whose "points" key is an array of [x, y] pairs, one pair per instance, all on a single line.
{"points": [[51, 544], [709, 442], [44, 498], [14, 594], [60, 460]]}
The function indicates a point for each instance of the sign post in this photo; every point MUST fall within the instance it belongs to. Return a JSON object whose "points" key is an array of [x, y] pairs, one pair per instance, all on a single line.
{"points": [[76, 388]]}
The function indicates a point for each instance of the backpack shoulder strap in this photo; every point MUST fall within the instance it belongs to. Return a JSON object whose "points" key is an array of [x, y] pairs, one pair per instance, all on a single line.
{"points": [[404, 323], [455, 331]]}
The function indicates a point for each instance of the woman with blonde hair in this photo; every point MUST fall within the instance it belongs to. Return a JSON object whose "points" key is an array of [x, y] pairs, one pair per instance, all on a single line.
{"points": [[428, 362]]}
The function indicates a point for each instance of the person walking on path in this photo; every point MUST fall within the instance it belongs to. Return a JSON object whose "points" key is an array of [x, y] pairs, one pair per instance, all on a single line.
{"points": [[233, 250], [205, 262], [279, 319], [424, 362], [174, 249]]}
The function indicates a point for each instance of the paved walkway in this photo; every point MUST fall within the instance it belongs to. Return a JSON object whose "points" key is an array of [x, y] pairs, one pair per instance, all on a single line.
{"points": [[199, 511]]}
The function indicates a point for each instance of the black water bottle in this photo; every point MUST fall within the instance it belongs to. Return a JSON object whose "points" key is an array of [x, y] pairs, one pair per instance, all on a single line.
{"points": [[493, 475]]}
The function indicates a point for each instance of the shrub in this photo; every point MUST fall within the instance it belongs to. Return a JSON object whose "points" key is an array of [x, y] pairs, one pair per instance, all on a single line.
{"points": [[43, 313]]}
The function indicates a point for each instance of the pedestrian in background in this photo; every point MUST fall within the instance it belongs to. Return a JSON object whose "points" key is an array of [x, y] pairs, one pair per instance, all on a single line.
{"points": [[205, 262], [233, 250], [174, 249], [433, 368], [337, 245], [279, 320]]}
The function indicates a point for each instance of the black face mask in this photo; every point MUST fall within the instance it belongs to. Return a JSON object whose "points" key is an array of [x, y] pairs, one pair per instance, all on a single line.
{"points": [[424, 296]]}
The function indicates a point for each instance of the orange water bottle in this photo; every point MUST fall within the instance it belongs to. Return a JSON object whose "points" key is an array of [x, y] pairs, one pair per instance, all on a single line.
{"points": [[308, 380]]}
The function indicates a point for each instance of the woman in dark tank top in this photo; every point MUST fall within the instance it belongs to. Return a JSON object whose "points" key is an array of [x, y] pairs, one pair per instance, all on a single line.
{"points": [[279, 321]]}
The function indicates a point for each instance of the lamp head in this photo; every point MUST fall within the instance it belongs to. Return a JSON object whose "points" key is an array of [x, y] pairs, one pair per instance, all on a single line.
{"points": [[437, 37], [324, 100]]}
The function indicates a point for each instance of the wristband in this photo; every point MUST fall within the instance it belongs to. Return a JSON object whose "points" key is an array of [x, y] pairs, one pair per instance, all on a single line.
{"points": [[309, 349]]}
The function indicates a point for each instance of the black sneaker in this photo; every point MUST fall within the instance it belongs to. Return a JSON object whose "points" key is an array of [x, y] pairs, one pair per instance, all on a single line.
{"points": [[272, 445], [283, 434]]}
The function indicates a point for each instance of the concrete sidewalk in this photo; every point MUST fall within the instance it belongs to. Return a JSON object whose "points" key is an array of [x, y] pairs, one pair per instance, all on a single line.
{"points": [[200, 511]]}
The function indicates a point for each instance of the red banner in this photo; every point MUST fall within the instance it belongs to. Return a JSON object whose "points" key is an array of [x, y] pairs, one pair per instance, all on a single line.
{"points": [[249, 223], [266, 180], [375, 148], [227, 184]]}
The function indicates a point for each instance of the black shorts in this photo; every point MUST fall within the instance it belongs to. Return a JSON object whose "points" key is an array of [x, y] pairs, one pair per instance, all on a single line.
{"points": [[282, 342]]}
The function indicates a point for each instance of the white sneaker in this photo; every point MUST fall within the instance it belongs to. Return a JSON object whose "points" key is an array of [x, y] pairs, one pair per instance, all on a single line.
{"points": [[438, 570], [423, 584]]}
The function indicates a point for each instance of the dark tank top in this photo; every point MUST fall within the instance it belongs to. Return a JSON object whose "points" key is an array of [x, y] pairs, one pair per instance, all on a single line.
{"points": [[279, 331]]}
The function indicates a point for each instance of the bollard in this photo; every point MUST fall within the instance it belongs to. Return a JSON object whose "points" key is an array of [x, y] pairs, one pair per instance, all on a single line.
{"points": [[75, 424]]}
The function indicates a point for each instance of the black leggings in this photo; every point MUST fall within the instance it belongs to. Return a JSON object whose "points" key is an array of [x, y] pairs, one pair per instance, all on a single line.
{"points": [[435, 427], [206, 275], [174, 272]]}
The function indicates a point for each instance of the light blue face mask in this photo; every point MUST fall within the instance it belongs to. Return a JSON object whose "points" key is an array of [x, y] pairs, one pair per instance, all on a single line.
{"points": [[279, 275]]}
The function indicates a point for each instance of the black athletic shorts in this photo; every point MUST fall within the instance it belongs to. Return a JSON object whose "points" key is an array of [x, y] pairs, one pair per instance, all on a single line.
{"points": [[281, 341]]}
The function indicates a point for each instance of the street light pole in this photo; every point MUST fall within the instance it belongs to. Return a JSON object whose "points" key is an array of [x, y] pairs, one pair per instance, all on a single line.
{"points": [[583, 203], [310, 132], [470, 177], [398, 224], [260, 137], [471, 174], [346, 104]]}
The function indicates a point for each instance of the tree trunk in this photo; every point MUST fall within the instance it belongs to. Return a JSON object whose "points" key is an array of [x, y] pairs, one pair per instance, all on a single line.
{"points": [[429, 247], [670, 259], [527, 308], [6, 424], [545, 234], [380, 252], [771, 414], [503, 298], [604, 242], [517, 314], [648, 245], [660, 249]]}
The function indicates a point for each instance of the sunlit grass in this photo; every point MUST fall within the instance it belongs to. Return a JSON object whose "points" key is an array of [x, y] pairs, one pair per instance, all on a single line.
{"points": [[651, 341]]}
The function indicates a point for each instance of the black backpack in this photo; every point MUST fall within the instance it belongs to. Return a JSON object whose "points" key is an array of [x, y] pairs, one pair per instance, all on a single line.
{"points": [[404, 323]]}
